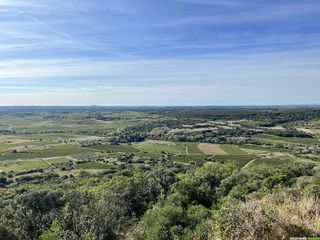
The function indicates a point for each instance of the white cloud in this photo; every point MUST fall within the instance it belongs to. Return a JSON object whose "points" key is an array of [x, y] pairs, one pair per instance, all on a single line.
{"points": [[221, 66]]}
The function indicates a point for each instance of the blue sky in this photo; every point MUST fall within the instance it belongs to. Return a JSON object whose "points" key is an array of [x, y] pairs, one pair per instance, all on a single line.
{"points": [[152, 52]]}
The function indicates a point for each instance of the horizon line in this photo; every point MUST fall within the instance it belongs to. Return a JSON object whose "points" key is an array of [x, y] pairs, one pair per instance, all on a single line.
{"points": [[209, 105]]}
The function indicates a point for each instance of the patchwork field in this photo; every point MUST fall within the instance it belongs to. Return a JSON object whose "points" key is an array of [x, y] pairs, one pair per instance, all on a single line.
{"points": [[58, 138]]}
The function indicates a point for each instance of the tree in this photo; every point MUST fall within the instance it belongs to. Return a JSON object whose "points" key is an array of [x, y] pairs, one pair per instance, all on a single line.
{"points": [[33, 212], [161, 223]]}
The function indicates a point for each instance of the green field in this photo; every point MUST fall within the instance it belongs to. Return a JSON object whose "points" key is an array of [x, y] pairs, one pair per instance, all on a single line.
{"points": [[239, 160], [116, 148], [22, 165], [192, 147], [189, 158], [169, 147], [151, 147], [260, 148], [248, 123], [231, 149], [59, 160], [52, 151]]}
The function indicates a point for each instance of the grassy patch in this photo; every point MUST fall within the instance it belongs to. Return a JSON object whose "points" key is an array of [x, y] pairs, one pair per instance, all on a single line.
{"points": [[52, 151], [22, 165], [239, 160], [59, 160], [155, 148], [192, 147], [260, 148], [248, 123], [231, 149], [189, 158], [116, 148], [270, 162]]}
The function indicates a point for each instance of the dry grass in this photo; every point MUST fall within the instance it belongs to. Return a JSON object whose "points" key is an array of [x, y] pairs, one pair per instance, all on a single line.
{"points": [[211, 149], [10, 139], [28, 148], [295, 217], [278, 216]]}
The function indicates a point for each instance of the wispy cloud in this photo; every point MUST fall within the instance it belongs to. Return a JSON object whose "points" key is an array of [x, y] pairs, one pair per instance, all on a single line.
{"points": [[229, 3], [117, 50], [221, 68], [161, 95]]}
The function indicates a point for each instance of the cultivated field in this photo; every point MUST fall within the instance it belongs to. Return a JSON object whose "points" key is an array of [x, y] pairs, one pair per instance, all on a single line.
{"points": [[211, 149], [22, 165]]}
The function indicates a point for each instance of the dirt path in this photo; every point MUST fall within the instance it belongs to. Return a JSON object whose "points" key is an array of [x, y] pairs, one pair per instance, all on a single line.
{"points": [[71, 158], [136, 148], [47, 161], [247, 164]]}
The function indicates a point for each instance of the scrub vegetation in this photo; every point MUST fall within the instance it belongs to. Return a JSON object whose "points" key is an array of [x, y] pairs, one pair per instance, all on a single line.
{"points": [[159, 173]]}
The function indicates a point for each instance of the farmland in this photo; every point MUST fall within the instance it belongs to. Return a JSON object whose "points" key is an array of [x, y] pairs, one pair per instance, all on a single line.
{"points": [[154, 162], [51, 151], [231, 149], [116, 148], [62, 139], [22, 165], [211, 149]]}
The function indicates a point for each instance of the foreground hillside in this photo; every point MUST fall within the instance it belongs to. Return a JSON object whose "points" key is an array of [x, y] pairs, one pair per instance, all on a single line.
{"points": [[159, 173]]}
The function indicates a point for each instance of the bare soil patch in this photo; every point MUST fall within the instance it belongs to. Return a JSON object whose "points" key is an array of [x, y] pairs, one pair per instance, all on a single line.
{"points": [[211, 149]]}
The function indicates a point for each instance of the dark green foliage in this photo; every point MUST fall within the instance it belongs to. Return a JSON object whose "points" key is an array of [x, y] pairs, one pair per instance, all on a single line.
{"points": [[200, 186], [162, 223], [6, 234], [290, 132], [32, 212]]}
